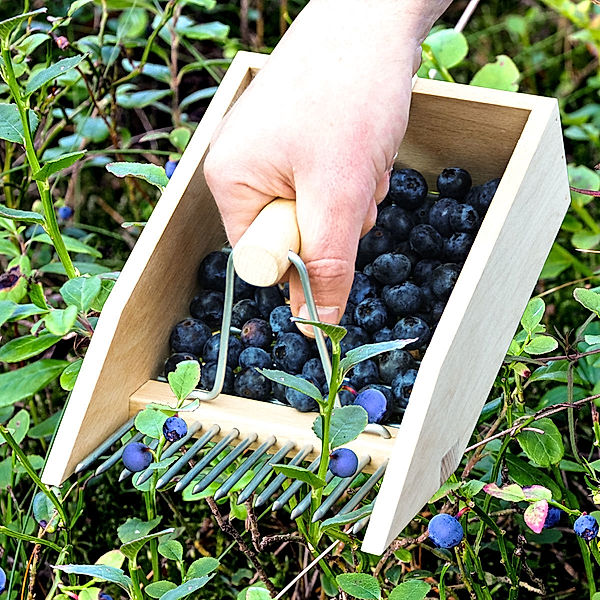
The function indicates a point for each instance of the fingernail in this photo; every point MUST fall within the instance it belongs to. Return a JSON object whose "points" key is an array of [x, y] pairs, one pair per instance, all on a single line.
{"points": [[327, 314]]}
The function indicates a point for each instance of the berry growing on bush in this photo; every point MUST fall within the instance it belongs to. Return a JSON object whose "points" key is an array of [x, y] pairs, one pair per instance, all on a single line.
{"points": [[64, 212], [136, 457], [174, 428], [586, 527], [2, 580], [553, 517], [445, 531], [374, 402], [170, 166], [343, 462]]}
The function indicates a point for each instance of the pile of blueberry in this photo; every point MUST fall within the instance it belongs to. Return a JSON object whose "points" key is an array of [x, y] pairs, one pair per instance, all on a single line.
{"points": [[407, 266]]}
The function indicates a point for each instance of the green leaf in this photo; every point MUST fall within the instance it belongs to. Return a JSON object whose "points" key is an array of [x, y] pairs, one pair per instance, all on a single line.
{"points": [[24, 311], [349, 517], [60, 321], [544, 449], [46, 428], [510, 493], [131, 549], [75, 6], [187, 588], [7, 310], [171, 549], [588, 298], [206, 31], [585, 240], [100, 300], [184, 378], [533, 314], [525, 474], [448, 46], [353, 357], [134, 529], [72, 245], [101, 572], [500, 75], [45, 511], [294, 472], [335, 332], [202, 566], [257, 593], [151, 173], [58, 164], [27, 346], [537, 492], [359, 585], [9, 25], [11, 129], [293, 381], [150, 422], [541, 344], [42, 77], [81, 291], [347, 423], [140, 100], [93, 128], [69, 375], [132, 23], [179, 137], [584, 178], [159, 588], [24, 382], [555, 370], [410, 590], [36, 295], [26, 216], [19, 426]]}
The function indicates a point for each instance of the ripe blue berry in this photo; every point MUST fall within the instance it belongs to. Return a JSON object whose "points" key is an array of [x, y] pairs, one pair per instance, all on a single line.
{"points": [[586, 527], [480, 197], [362, 287], [104, 596], [375, 242], [412, 327], [174, 428], [210, 352], [267, 298], [170, 167], [464, 218], [212, 271], [396, 220], [403, 299], [553, 517], [454, 182], [208, 307], [189, 336], [391, 268], [249, 383], [371, 314], [443, 279], [426, 241], [374, 402], [136, 457], [439, 215], [313, 369], [2, 580], [257, 333], [445, 531], [402, 386], [408, 188], [343, 462], [255, 357], [208, 375], [243, 311], [64, 212], [394, 362], [290, 352], [301, 401], [280, 320], [363, 373], [457, 246]]}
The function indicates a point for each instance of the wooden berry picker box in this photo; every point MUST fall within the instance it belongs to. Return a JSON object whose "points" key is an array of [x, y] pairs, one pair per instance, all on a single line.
{"points": [[492, 134]]}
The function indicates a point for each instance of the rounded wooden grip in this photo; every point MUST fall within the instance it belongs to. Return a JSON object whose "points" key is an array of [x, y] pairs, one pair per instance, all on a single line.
{"points": [[261, 255]]}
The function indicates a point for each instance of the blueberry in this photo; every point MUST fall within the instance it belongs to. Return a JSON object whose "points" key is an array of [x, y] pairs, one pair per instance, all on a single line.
{"points": [[408, 188], [64, 212], [385, 334], [437, 310], [175, 359], [362, 287], [285, 290], [464, 218], [249, 383], [210, 352], [426, 241], [170, 167], [443, 279], [313, 369], [457, 246], [404, 248], [391, 268], [363, 373], [454, 182], [348, 316], [278, 391], [553, 517], [208, 374], [301, 401], [445, 531], [396, 220], [242, 289], [423, 269], [375, 242], [267, 298], [586, 527], [136, 457], [290, 352], [343, 462], [480, 197], [402, 386], [212, 271], [384, 389], [104, 596], [371, 314], [256, 332], [189, 336], [439, 215], [412, 327], [346, 394], [174, 428], [393, 363], [243, 311], [2, 580], [421, 213], [403, 299], [356, 336], [374, 402], [280, 320], [428, 298], [255, 357], [208, 307]]}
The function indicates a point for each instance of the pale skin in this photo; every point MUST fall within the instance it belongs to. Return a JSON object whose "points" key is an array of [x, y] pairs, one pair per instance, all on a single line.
{"points": [[321, 124]]}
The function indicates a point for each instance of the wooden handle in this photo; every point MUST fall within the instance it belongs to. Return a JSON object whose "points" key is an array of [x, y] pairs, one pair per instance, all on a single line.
{"points": [[261, 255]]}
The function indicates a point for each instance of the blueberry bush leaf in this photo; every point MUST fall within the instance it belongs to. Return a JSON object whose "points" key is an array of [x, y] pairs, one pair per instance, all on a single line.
{"points": [[533, 314], [353, 357], [26, 347], [69, 375], [187, 588], [101, 572], [150, 422], [81, 291], [131, 549], [151, 173], [448, 46], [58, 164], [184, 378], [60, 321], [588, 298], [535, 515], [7, 26], [410, 590], [202, 566], [301, 473], [335, 332], [171, 549], [502, 74], [359, 585], [159, 588], [545, 449], [24, 382], [347, 423], [296, 383], [44, 76], [541, 344], [349, 517], [511, 493], [135, 528], [26, 216]]}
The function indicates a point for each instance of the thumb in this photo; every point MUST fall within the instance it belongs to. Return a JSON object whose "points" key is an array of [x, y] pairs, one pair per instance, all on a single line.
{"points": [[330, 227]]}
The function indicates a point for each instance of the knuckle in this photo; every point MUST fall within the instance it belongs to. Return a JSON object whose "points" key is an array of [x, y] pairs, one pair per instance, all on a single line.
{"points": [[330, 270]]}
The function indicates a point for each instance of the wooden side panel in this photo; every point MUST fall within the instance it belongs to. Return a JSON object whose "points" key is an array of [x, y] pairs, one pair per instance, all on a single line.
{"points": [[152, 293], [469, 344]]}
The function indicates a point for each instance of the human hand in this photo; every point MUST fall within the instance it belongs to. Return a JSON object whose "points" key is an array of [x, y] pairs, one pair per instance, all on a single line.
{"points": [[321, 124]]}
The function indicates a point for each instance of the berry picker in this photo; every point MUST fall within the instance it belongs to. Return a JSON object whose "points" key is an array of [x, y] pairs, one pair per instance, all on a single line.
{"points": [[491, 134]]}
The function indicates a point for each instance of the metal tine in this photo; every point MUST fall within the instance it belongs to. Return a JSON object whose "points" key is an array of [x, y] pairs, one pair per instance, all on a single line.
{"points": [[363, 490], [125, 473], [189, 454], [294, 487], [218, 448], [223, 464], [278, 481], [360, 524], [244, 468], [92, 457], [169, 451], [115, 456], [265, 470], [336, 494], [303, 505]]}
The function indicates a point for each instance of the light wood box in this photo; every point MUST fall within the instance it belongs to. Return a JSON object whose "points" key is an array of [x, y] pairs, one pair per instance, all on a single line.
{"points": [[491, 133]]}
